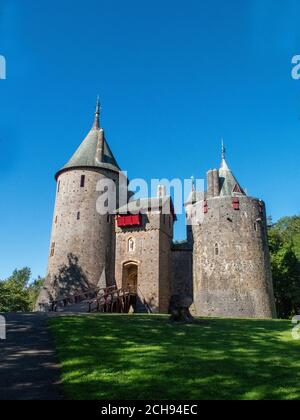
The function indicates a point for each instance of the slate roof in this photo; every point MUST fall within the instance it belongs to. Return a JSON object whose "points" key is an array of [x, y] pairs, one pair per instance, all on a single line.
{"points": [[228, 182], [145, 205], [94, 151], [195, 197], [86, 154]]}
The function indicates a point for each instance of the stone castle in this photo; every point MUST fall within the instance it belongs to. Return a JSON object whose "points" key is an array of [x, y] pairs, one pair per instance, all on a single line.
{"points": [[223, 265]]}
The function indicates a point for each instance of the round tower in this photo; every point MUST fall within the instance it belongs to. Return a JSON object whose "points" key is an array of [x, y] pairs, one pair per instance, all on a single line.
{"points": [[232, 273], [82, 241]]}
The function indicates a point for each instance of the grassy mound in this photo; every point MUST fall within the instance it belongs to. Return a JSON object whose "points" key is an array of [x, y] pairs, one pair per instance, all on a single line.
{"points": [[146, 357]]}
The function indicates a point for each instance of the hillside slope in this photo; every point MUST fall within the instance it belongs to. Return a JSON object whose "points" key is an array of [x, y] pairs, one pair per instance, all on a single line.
{"points": [[146, 357]]}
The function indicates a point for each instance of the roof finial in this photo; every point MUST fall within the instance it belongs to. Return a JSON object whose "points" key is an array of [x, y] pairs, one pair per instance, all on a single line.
{"points": [[97, 114], [223, 150], [224, 164], [193, 183]]}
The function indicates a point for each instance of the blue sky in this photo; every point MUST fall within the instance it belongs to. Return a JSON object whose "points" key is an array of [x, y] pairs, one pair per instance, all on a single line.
{"points": [[174, 77]]}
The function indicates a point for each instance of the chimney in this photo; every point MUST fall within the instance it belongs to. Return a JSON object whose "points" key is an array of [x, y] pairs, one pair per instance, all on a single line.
{"points": [[161, 191], [216, 183], [210, 184]]}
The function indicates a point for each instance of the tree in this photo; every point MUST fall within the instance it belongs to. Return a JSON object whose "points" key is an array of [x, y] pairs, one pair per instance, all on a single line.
{"points": [[34, 291], [289, 230], [285, 260], [16, 294], [13, 293]]}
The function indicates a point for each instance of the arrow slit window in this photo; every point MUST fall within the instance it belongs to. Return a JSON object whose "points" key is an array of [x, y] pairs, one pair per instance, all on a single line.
{"points": [[216, 249], [131, 245]]}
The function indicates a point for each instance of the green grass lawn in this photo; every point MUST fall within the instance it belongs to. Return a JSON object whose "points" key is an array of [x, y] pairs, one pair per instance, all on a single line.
{"points": [[146, 357]]}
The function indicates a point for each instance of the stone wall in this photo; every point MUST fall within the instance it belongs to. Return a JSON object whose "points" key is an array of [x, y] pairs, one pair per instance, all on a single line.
{"points": [[165, 267], [82, 241], [232, 275], [152, 242], [182, 270]]}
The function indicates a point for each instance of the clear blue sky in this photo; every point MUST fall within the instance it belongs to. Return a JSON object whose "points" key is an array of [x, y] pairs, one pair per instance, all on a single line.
{"points": [[174, 77]]}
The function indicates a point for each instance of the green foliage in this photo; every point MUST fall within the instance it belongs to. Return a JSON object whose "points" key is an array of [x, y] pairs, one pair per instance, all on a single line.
{"points": [[142, 357], [16, 294], [34, 291], [289, 230], [284, 240], [13, 292]]}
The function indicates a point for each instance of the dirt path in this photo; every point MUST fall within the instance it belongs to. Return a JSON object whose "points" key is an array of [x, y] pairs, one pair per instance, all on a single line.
{"points": [[28, 365]]}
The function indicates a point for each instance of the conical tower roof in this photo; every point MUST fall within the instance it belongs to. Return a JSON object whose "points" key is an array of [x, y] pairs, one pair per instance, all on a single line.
{"points": [[194, 195], [228, 183], [94, 151]]}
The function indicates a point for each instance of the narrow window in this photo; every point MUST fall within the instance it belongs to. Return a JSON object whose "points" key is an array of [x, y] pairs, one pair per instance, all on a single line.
{"points": [[108, 218], [82, 181], [58, 187], [131, 245], [52, 249], [216, 249], [78, 215], [255, 226], [55, 219]]}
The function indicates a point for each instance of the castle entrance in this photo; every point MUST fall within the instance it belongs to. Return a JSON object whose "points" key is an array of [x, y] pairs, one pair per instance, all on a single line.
{"points": [[130, 277]]}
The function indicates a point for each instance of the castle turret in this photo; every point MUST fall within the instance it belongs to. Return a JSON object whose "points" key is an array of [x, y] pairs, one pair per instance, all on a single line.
{"points": [[232, 274], [82, 241]]}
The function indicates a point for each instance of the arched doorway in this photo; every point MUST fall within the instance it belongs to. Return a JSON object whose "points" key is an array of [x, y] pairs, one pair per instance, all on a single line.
{"points": [[130, 277]]}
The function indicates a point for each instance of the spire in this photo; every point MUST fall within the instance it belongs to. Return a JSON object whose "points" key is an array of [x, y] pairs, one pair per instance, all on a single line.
{"points": [[192, 198], [97, 114], [223, 150], [193, 183], [94, 151], [228, 183], [224, 164]]}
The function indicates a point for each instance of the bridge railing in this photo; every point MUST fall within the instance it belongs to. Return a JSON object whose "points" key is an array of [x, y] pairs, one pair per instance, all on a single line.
{"points": [[107, 299], [116, 300], [90, 293]]}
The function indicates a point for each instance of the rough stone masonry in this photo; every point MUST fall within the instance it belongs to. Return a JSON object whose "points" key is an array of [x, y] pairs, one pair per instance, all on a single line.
{"points": [[224, 264]]}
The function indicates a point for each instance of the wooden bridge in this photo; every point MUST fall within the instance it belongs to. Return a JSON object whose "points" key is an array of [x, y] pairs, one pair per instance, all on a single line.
{"points": [[112, 300], [106, 300]]}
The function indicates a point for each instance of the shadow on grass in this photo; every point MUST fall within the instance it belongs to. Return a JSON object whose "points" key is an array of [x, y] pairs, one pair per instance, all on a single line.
{"points": [[145, 357]]}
